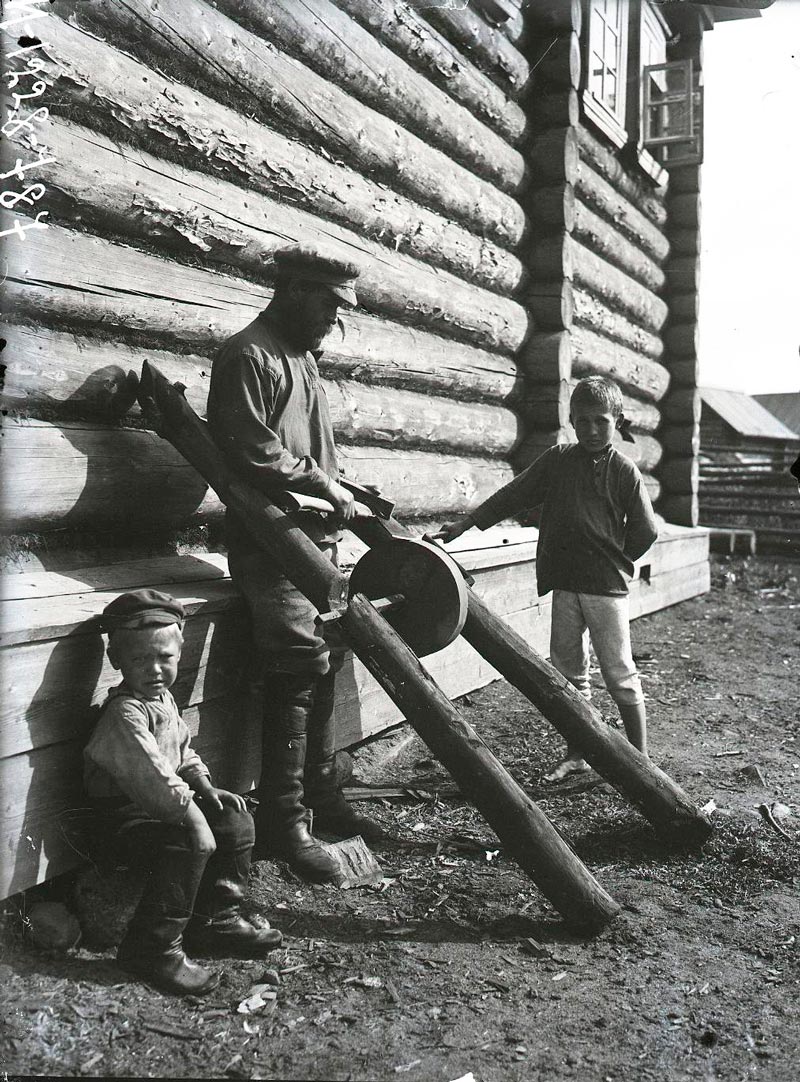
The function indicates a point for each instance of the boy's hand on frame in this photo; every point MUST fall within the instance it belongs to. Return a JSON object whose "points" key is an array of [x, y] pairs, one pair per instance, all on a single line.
{"points": [[451, 530], [221, 798]]}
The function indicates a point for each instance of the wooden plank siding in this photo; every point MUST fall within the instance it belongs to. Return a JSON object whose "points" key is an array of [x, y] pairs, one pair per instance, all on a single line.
{"points": [[55, 672], [505, 252]]}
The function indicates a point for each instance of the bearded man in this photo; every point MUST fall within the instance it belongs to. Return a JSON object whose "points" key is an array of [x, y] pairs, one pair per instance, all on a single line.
{"points": [[268, 414]]}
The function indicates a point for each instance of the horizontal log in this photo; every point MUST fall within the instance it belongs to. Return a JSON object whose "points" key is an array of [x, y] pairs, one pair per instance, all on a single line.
{"points": [[684, 211], [405, 419], [598, 317], [553, 157], [555, 109], [54, 375], [594, 355], [93, 178], [488, 48], [680, 439], [551, 304], [551, 209], [680, 476], [617, 209], [617, 289], [242, 70], [683, 274], [556, 59], [102, 86], [425, 484], [682, 406], [682, 510], [111, 478], [605, 162], [683, 307], [423, 47], [337, 48], [606, 240], [195, 309]]}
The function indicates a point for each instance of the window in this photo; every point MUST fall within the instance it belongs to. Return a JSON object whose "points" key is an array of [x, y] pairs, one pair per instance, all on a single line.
{"points": [[637, 98], [608, 53], [671, 112]]}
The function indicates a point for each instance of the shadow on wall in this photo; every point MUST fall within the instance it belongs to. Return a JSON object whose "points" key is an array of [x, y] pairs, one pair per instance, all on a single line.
{"points": [[52, 684]]}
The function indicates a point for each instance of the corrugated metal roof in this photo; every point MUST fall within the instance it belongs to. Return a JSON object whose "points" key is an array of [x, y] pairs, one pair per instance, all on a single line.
{"points": [[745, 415], [786, 407]]}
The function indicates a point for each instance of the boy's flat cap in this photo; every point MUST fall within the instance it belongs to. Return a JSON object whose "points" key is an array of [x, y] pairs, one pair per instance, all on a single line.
{"points": [[142, 608], [311, 265]]}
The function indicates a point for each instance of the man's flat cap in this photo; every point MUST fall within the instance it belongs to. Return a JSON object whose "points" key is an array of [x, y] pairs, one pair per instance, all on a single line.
{"points": [[311, 265], [142, 608]]}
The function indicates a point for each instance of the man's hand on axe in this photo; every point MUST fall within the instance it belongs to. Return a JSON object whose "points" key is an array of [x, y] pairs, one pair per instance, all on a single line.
{"points": [[451, 530], [344, 503]]}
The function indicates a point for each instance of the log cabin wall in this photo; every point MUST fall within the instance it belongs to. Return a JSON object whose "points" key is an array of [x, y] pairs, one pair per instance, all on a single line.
{"points": [[189, 142], [745, 482], [505, 253], [597, 259]]}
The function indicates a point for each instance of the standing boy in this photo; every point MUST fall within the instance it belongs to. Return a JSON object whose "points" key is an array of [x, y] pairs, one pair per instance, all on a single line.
{"points": [[596, 520], [268, 414], [161, 812]]}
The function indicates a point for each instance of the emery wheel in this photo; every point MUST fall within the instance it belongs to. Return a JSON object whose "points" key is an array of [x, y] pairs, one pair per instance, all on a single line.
{"points": [[435, 595]]}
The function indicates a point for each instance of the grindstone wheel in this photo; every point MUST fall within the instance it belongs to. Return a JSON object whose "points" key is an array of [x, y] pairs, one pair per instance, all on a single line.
{"points": [[434, 606]]}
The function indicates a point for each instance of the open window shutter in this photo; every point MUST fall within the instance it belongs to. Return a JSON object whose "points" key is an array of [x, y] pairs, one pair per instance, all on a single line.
{"points": [[672, 113]]}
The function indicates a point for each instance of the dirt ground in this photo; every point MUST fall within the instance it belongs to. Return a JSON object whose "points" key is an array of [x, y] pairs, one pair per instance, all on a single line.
{"points": [[456, 964]]}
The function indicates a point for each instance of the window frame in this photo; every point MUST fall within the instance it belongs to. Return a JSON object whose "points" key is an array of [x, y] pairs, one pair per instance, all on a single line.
{"points": [[612, 122]]}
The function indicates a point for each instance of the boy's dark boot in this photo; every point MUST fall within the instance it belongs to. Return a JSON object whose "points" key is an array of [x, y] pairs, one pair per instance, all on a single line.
{"points": [[217, 926], [281, 817], [152, 948], [332, 813]]}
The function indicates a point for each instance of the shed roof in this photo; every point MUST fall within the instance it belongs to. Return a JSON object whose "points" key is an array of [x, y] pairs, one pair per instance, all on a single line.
{"points": [[745, 415], [786, 407]]}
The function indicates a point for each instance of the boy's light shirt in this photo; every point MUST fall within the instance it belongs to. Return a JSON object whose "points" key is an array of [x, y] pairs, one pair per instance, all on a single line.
{"points": [[141, 750]]}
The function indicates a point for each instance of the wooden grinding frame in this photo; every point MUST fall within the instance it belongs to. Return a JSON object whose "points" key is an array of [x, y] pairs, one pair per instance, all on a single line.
{"points": [[524, 830]]}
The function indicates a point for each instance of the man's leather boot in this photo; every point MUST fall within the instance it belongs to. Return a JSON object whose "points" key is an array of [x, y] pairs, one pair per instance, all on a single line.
{"points": [[153, 948], [281, 817], [332, 813], [217, 926]]}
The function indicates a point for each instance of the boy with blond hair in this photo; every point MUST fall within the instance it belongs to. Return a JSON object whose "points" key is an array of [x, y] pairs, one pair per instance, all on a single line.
{"points": [[162, 813], [596, 520]]}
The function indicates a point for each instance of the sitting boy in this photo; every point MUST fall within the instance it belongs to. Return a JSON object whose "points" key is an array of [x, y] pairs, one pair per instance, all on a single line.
{"points": [[162, 813], [596, 519]]}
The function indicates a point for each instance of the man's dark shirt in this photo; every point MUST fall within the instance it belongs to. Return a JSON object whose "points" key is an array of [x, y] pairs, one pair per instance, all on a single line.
{"points": [[596, 518], [268, 414]]}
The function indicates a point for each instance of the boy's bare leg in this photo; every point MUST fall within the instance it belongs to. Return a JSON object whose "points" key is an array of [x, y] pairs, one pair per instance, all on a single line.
{"points": [[572, 763], [634, 718]]}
